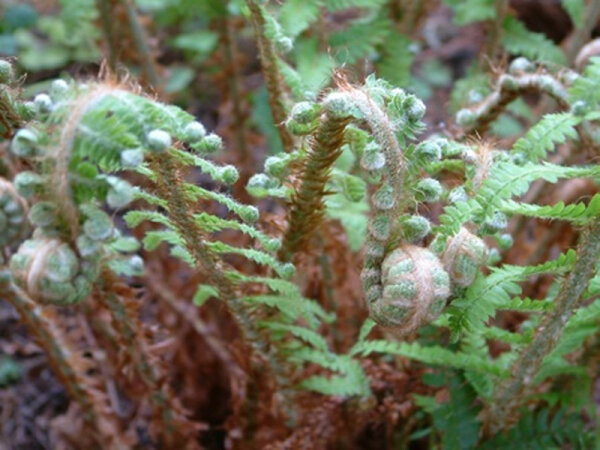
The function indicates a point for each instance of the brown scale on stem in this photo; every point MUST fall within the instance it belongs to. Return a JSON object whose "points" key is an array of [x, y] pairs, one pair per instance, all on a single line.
{"points": [[308, 206]]}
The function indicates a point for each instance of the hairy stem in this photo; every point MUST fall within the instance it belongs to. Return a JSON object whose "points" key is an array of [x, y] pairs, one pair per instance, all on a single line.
{"points": [[273, 80], [169, 187], [509, 88], [308, 207], [503, 408]]}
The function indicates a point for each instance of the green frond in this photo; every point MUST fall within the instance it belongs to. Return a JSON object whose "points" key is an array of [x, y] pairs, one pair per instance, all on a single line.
{"points": [[541, 430], [582, 325], [481, 300], [468, 11], [211, 224], [543, 136], [509, 337], [136, 217], [578, 213], [152, 239], [208, 167], [292, 308], [351, 381], [436, 356], [525, 305], [338, 5], [455, 420], [304, 334], [396, 59], [203, 293], [295, 16], [245, 212], [586, 88], [518, 40], [359, 39], [284, 270], [506, 180], [149, 198]]}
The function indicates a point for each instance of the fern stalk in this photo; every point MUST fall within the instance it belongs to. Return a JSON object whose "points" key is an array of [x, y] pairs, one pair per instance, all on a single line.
{"points": [[503, 408], [270, 69], [509, 87], [169, 187], [308, 207]]}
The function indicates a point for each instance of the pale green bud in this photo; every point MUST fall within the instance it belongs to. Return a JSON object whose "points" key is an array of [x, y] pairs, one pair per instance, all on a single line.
{"points": [[287, 271], [28, 183], [305, 112], [228, 174], [194, 132], [339, 105], [43, 214], [249, 214], [416, 228], [284, 44], [580, 108], [24, 143], [372, 159], [520, 65], [120, 193], [464, 255], [458, 194], [428, 190], [272, 245], [210, 144], [6, 72], [98, 226], [59, 89], [465, 117], [380, 227], [429, 151], [496, 223], [87, 247], [275, 166], [505, 241], [132, 158], [384, 198], [159, 140], [43, 103], [414, 107]]}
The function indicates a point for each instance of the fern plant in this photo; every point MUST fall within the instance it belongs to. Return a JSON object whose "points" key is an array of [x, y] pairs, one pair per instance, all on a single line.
{"points": [[101, 183]]}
